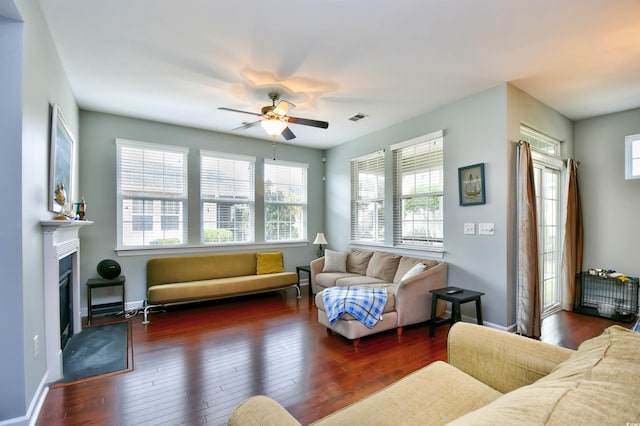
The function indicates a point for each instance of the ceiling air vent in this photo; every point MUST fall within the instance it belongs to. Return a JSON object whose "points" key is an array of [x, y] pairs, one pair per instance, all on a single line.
{"points": [[357, 117]]}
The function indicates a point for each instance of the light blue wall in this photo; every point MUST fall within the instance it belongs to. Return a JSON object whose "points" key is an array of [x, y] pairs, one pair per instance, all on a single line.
{"points": [[98, 186], [474, 132], [481, 128], [610, 204], [34, 76]]}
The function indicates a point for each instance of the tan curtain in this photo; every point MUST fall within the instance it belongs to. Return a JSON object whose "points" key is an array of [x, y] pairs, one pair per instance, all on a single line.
{"points": [[528, 309], [573, 238]]}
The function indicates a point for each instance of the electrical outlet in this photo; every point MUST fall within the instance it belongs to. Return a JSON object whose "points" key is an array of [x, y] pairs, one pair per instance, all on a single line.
{"points": [[469, 228], [36, 346]]}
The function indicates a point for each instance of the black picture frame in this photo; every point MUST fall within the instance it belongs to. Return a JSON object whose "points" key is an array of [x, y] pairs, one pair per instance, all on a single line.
{"points": [[61, 161], [471, 185]]}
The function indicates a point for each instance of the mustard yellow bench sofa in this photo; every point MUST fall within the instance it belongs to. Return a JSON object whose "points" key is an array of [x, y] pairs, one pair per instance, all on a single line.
{"points": [[183, 279], [496, 378]]}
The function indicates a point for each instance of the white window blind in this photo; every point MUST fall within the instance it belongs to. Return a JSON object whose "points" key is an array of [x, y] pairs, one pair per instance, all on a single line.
{"points": [[285, 201], [367, 198], [418, 192], [152, 194], [227, 187]]}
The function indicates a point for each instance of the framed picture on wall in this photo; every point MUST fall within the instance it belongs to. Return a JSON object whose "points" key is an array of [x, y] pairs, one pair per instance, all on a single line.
{"points": [[61, 163], [471, 185]]}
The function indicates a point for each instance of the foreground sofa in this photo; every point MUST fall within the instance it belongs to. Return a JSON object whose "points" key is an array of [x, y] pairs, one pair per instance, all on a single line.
{"points": [[408, 282], [496, 378], [183, 279]]}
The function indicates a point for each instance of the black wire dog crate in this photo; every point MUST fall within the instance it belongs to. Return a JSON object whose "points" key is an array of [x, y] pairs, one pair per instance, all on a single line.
{"points": [[606, 297]]}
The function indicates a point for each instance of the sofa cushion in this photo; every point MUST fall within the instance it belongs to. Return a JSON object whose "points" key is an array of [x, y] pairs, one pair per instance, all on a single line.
{"points": [[593, 386], [269, 263], [358, 260], [328, 279], [434, 395], [335, 261], [614, 356], [383, 265], [359, 280], [582, 402]]}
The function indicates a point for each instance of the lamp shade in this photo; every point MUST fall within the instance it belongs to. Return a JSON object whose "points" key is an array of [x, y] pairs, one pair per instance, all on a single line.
{"points": [[273, 126], [320, 239]]}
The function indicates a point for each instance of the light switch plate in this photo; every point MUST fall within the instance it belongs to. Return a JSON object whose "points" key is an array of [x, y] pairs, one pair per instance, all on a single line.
{"points": [[486, 229], [469, 228]]}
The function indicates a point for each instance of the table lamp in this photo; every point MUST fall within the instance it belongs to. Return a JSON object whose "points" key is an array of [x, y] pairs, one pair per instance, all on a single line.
{"points": [[320, 239]]}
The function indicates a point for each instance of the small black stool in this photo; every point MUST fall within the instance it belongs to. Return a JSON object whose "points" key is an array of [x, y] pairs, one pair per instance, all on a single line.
{"points": [[93, 283], [456, 296]]}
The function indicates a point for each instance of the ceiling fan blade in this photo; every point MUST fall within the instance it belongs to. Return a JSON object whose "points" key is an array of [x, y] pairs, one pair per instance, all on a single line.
{"points": [[247, 125], [288, 134], [308, 122], [283, 108], [239, 110]]}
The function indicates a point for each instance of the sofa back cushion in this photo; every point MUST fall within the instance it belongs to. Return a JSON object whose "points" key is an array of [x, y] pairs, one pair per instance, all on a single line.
{"points": [[358, 260], [177, 269], [614, 356], [383, 266], [598, 384]]}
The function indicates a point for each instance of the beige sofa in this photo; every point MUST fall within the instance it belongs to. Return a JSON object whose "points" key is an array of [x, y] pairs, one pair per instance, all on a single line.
{"points": [[496, 378], [183, 279], [407, 280]]}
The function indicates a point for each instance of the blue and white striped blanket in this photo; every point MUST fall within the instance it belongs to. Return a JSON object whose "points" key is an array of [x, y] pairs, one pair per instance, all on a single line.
{"points": [[363, 303]]}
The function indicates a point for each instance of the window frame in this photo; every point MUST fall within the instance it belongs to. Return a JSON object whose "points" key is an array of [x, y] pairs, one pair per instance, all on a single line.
{"points": [[631, 144], [399, 198], [145, 197], [237, 160], [373, 163], [302, 203]]}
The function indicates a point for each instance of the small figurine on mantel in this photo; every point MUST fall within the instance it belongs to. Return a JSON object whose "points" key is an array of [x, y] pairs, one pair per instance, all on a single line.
{"points": [[60, 197], [81, 210]]}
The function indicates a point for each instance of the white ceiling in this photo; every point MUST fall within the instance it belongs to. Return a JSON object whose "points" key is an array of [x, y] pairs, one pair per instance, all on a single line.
{"points": [[177, 61]]}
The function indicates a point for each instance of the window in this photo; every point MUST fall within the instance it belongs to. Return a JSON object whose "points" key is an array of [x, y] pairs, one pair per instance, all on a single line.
{"points": [[152, 194], [285, 201], [418, 192], [632, 157], [540, 141], [227, 187], [367, 198]]}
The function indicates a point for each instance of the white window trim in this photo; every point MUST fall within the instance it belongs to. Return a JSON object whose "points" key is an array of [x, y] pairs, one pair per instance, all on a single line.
{"points": [[365, 157], [201, 200], [305, 205], [438, 250], [144, 145], [629, 142]]}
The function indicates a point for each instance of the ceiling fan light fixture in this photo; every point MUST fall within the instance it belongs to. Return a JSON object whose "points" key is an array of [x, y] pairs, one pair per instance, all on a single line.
{"points": [[273, 126]]}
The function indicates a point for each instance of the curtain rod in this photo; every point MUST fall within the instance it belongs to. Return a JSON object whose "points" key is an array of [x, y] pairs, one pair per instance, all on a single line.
{"points": [[539, 151]]}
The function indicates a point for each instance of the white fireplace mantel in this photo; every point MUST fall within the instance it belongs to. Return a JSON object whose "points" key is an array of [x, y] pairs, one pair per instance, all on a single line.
{"points": [[60, 240]]}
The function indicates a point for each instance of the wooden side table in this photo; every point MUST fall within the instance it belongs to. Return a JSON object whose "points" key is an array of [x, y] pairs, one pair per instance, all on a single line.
{"points": [[307, 269], [456, 296], [93, 283]]}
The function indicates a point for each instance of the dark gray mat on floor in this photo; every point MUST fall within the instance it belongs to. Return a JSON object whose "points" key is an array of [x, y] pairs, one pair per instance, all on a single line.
{"points": [[95, 351]]}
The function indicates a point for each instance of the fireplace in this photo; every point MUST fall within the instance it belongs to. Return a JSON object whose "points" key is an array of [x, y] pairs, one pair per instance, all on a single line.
{"points": [[61, 253], [65, 269]]}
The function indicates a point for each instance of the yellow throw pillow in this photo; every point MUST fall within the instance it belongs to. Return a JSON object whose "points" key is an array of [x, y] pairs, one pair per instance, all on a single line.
{"points": [[269, 263]]}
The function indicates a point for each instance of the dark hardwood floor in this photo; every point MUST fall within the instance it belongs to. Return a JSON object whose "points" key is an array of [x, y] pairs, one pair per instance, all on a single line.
{"points": [[193, 365]]}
